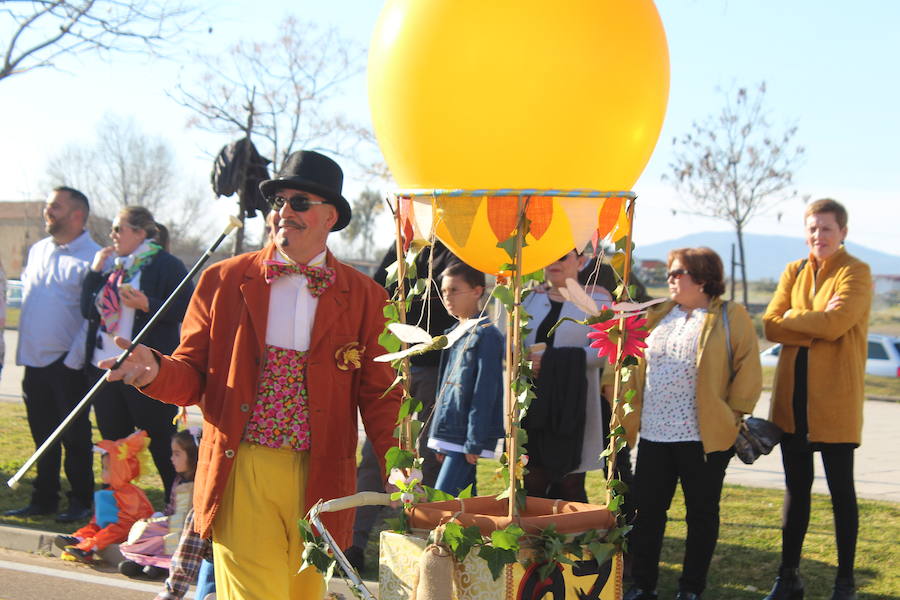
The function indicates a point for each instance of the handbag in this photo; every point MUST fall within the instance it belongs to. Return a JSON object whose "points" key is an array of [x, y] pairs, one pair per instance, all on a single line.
{"points": [[755, 438]]}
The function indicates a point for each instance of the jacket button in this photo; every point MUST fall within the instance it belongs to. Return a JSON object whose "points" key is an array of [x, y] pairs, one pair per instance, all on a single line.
{"points": [[229, 453], [245, 407]]}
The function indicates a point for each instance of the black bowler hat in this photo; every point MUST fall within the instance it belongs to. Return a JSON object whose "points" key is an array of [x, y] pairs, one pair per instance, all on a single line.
{"points": [[312, 172]]}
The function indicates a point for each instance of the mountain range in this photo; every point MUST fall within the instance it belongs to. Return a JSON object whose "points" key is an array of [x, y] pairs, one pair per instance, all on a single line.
{"points": [[766, 254]]}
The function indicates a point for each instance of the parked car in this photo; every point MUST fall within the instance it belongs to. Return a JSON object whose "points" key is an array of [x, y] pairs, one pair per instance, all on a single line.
{"points": [[13, 293], [883, 358]]}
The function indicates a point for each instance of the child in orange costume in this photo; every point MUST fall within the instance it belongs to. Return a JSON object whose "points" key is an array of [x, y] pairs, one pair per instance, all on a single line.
{"points": [[118, 505]]}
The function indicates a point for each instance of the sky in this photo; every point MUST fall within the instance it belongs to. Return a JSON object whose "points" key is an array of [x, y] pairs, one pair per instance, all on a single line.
{"points": [[830, 67]]}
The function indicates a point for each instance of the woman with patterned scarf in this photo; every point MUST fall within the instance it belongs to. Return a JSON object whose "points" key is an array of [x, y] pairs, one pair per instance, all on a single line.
{"points": [[126, 285]]}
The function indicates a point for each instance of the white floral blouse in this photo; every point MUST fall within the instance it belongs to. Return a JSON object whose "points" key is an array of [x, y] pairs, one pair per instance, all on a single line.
{"points": [[669, 412]]}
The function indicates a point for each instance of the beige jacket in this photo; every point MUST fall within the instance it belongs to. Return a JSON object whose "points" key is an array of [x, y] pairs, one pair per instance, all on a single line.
{"points": [[836, 340], [717, 398]]}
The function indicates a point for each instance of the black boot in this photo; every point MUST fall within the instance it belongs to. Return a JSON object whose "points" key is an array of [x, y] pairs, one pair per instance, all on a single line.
{"points": [[844, 589], [129, 568], [788, 586], [639, 594]]}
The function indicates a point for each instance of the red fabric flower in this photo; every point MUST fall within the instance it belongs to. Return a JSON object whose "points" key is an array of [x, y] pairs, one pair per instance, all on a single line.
{"points": [[606, 337]]}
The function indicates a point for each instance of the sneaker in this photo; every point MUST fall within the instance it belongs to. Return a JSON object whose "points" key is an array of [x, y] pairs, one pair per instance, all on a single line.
{"points": [[84, 556], [129, 568], [152, 572], [32, 510], [63, 541]]}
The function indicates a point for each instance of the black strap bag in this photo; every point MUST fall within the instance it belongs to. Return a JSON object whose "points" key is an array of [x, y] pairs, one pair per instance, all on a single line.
{"points": [[756, 436]]}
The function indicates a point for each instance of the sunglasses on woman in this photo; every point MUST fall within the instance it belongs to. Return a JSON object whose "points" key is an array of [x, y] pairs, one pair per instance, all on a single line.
{"points": [[676, 274], [298, 203]]}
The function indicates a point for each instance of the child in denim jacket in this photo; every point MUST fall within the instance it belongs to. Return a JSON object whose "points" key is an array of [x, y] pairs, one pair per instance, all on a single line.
{"points": [[468, 417]]}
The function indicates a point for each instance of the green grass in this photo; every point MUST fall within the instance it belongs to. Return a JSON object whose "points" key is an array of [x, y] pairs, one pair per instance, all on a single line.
{"points": [[875, 386], [743, 567], [15, 448], [12, 318], [748, 553], [885, 320]]}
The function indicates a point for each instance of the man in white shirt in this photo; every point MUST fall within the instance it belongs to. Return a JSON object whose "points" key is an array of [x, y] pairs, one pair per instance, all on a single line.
{"points": [[51, 350]]}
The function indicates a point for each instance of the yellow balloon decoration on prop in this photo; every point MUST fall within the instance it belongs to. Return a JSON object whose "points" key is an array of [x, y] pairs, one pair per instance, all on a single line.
{"points": [[522, 94]]}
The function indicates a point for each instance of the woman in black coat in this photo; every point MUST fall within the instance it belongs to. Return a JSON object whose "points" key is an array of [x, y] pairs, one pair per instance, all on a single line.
{"points": [[126, 285]]}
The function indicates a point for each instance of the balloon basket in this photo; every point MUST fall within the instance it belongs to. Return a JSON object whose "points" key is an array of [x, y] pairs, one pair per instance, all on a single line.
{"points": [[401, 555]]}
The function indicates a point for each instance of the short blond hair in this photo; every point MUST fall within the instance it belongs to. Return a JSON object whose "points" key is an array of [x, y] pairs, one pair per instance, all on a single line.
{"points": [[828, 205]]}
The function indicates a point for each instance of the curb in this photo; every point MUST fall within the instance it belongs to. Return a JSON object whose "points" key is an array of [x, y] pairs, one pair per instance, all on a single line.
{"points": [[22, 539], [36, 541], [884, 398]]}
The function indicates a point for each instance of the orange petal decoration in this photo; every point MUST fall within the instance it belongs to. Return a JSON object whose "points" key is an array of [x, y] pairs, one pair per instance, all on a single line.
{"points": [[540, 213], [609, 215], [502, 215], [406, 209]]}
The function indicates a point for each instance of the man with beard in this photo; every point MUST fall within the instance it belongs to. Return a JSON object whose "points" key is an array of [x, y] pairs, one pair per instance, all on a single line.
{"points": [[51, 351], [277, 348]]}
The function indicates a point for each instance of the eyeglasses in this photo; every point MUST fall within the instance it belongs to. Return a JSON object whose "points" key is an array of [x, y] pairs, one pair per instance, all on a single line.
{"points": [[299, 203], [676, 274], [121, 228]]}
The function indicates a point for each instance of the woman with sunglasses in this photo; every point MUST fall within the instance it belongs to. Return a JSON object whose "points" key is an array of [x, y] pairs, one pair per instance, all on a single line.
{"points": [[565, 421], [126, 285], [700, 374]]}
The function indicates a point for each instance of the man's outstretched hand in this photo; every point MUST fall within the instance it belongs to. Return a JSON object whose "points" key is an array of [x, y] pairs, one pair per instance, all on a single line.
{"points": [[139, 369]]}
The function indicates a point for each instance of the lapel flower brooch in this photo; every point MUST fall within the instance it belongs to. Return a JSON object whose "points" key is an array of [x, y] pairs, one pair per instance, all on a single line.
{"points": [[349, 356]]}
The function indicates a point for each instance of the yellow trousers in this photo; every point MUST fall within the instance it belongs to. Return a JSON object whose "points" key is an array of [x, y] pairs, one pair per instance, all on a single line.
{"points": [[256, 542]]}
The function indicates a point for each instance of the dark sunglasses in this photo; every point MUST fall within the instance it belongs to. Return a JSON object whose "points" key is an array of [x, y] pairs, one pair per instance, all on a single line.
{"points": [[120, 228], [676, 274], [297, 203]]}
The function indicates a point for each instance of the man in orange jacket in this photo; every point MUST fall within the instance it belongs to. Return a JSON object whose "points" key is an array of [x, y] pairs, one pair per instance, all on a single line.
{"points": [[278, 344]]}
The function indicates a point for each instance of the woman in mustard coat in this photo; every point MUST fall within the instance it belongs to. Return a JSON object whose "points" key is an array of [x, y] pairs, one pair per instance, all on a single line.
{"points": [[820, 315], [699, 376]]}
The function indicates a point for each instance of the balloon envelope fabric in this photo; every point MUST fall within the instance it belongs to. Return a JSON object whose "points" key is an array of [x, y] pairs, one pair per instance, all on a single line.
{"points": [[518, 93]]}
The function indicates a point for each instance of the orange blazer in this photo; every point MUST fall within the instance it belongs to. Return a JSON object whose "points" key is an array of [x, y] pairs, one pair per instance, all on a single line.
{"points": [[218, 364]]}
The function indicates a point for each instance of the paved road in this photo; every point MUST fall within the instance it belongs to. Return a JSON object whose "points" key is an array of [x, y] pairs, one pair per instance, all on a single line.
{"points": [[27, 576], [877, 461], [34, 577]]}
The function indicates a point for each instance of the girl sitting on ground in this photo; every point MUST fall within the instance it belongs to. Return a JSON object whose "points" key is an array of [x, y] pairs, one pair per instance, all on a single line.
{"points": [[151, 542], [118, 505]]}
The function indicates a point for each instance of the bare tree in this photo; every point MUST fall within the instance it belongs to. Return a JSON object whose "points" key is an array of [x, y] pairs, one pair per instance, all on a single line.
{"points": [[289, 83], [733, 166], [366, 208], [280, 94], [125, 166], [38, 32]]}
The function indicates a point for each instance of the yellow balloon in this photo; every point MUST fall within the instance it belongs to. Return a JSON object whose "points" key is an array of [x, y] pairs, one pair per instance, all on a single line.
{"points": [[520, 94]]}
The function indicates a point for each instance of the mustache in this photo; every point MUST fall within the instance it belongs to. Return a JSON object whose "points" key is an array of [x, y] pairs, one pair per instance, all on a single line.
{"points": [[290, 223]]}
